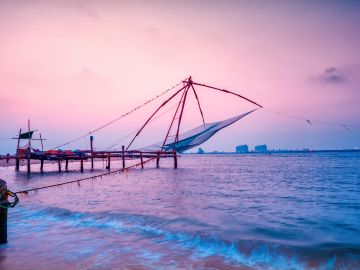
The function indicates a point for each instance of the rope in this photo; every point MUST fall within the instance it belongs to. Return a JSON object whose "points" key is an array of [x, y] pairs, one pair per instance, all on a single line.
{"points": [[311, 121], [118, 118], [133, 132], [6, 204], [26, 191]]}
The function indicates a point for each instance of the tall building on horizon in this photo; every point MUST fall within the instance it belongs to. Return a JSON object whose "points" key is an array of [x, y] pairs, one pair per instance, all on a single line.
{"points": [[242, 148], [261, 148]]}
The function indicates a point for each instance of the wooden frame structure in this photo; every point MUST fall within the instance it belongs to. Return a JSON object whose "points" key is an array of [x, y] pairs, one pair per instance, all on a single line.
{"points": [[85, 155]]}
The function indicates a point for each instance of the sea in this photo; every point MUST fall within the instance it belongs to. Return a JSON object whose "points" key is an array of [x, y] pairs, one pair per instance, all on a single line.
{"points": [[256, 211]]}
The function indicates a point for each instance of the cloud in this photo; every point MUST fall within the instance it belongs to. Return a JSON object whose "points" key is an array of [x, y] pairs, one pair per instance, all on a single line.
{"points": [[83, 6], [332, 75]]}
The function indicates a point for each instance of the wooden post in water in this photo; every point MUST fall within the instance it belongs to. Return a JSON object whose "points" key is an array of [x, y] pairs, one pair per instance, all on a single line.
{"points": [[42, 165], [66, 164], [175, 160], [108, 166], [3, 212], [59, 164], [29, 151], [158, 159], [7, 157], [42, 145], [123, 156], [141, 160], [82, 164], [92, 151], [17, 165]]}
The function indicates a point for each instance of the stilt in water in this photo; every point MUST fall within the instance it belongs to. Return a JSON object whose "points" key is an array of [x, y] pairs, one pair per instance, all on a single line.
{"points": [[66, 164], [123, 156], [82, 165], [92, 151], [41, 165], [141, 160], [175, 160], [59, 164], [17, 165], [158, 160], [108, 166]]}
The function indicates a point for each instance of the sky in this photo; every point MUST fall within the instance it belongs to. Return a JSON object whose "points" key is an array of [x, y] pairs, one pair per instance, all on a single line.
{"points": [[71, 66]]}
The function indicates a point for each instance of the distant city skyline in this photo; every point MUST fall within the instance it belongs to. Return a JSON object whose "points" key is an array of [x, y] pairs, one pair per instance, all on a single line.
{"points": [[71, 66]]}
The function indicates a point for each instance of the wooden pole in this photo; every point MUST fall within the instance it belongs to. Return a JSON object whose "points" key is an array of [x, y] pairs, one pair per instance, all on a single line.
{"points": [[7, 157], [42, 145], [158, 160], [175, 160], [42, 165], [123, 156], [29, 150], [92, 151], [141, 160], [66, 164], [82, 164], [158, 109], [108, 166], [59, 164], [3, 213], [17, 166]]}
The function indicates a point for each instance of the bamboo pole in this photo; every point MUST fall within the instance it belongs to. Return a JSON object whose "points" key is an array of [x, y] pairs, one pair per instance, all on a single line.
{"points": [[228, 92], [148, 120], [42, 145], [17, 166], [92, 151], [29, 151]]}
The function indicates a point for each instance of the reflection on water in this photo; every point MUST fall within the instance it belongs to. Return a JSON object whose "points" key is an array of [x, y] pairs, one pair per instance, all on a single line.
{"points": [[297, 211]]}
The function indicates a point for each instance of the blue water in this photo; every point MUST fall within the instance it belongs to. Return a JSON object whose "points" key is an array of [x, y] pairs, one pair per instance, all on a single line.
{"points": [[294, 211]]}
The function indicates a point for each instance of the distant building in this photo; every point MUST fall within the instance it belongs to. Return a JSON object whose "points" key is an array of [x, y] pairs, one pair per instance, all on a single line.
{"points": [[242, 148], [200, 151], [261, 148]]}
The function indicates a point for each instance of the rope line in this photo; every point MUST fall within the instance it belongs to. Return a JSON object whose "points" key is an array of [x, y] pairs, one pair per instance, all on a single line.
{"points": [[133, 132], [311, 121], [118, 118], [26, 191]]}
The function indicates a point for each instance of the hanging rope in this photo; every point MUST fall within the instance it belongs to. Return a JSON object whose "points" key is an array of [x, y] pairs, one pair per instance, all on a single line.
{"points": [[118, 118], [311, 121], [78, 181], [133, 132]]}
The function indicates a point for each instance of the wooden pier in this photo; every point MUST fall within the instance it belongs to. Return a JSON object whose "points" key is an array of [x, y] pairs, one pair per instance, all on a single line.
{"points": [[61, 157]]}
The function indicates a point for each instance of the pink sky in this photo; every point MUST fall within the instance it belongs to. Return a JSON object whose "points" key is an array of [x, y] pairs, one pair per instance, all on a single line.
{"points": [[70, 66]]}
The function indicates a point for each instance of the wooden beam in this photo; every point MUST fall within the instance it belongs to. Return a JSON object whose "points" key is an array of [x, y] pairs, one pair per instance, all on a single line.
{"points": [[29, 151]]}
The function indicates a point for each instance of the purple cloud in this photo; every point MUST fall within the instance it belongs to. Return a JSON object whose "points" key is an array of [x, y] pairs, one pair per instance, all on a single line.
{"points": [[332, 75]]}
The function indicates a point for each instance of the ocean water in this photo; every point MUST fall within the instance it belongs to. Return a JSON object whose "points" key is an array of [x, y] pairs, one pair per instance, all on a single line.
{"points": [[279, 211]]}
